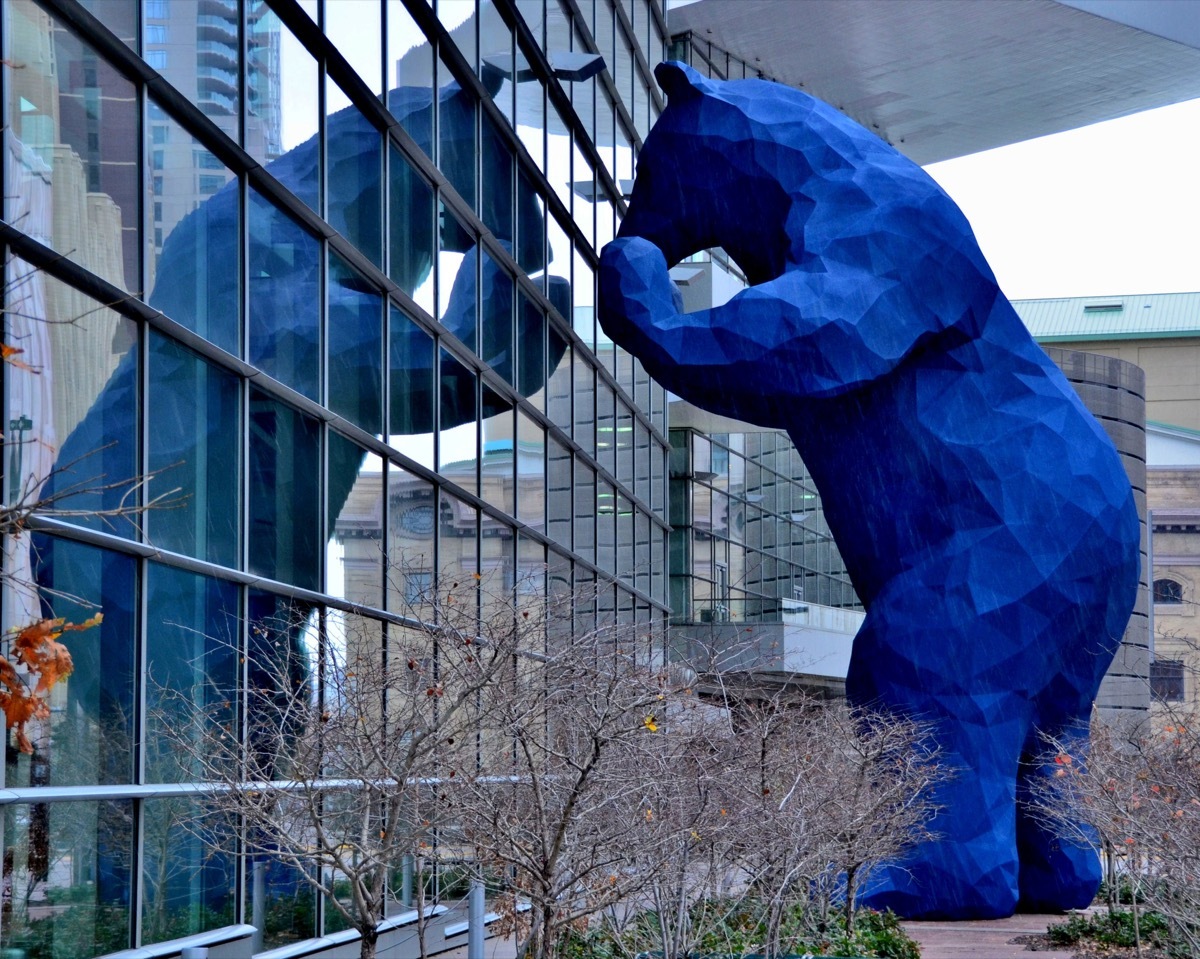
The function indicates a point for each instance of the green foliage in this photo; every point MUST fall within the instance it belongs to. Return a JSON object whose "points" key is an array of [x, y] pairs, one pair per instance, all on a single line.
{"points": [[1110, 929], [291, 917], [726, 928], [878, 934], [76, 931]]}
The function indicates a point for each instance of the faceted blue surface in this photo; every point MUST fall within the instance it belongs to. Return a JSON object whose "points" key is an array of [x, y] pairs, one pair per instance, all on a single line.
{"points": [[983, 515]]}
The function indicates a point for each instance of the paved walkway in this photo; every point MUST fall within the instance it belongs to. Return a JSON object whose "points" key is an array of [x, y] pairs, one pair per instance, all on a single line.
{"points": [[980, 939], [983, 938]]}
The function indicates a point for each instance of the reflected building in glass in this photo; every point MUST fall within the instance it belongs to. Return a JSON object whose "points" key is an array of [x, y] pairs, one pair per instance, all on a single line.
{"points": [[304, 299]]}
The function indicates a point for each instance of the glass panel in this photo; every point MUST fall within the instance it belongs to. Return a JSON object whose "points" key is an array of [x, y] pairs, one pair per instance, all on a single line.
{"points": [[410, 263], [625, 557], [457, 542], [457, 149], [412, 389], [641, 551], [559, 480], [641, 440], [281, 657], [74, 133], [458, 17], [459, 435], [641, 387], [457, 289], [583, 309], [606, 605], [531, 228], [72, 403], [585, 600], [603, 139], [354, 554], [496, 567], [120, 16], [496, 186], [558, 154], [606, 432], [531, 575], [658, 566], [559, 387], [558, 271], [561, 592], [412, 513], [624, 161], [289, 902], [531, 348], [533, 13], [87, 738], [585, 511], [354, 154], [531, 472], [188, 885], [193, 239], [496, 329], [605, 224], [195, 452], [496, 473], [282, 104], [624, 444], [356, 30], [196, 46], [531, 115], [285, 300], [192, 654], [410, 75], [67, 889], [496, 68], [583, 190], [285, 504], [658, 455], [585, 404], [355, 334], [606, 526]]}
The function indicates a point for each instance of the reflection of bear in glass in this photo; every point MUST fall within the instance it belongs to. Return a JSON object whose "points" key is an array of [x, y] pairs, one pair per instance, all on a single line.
{"points": [[984, 517]]}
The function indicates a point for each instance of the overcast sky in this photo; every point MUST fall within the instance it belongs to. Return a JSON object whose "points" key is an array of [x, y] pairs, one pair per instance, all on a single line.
{"points": [[1112, 208]]}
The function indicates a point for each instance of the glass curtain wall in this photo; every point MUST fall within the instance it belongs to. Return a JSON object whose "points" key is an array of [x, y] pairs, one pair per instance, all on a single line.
{"points": [[299, 323], [749, 537]]}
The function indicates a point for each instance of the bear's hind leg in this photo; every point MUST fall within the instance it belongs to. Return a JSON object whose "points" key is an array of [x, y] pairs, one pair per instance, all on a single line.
{"points": [[938, 675], [1059, 866]]}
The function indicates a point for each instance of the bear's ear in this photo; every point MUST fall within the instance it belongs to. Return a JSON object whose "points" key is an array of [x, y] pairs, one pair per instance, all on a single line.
{"points": [[679, 81]]}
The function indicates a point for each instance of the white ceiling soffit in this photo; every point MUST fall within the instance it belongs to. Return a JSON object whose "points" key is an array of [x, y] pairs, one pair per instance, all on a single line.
{"points": [[944, 78]]}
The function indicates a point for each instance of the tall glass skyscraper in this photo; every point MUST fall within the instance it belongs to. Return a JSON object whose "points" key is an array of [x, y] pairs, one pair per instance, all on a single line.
{"points": [[314, 281]]}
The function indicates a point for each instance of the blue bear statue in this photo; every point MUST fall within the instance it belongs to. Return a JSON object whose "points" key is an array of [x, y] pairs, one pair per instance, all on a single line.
{"points": [[983, 515]]}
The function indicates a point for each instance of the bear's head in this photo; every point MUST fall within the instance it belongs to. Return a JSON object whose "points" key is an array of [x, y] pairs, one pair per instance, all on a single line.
{"points": [[763, 170], [725, 166], [696, 185]]}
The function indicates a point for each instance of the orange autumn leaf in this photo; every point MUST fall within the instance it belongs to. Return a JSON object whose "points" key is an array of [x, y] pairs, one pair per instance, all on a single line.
{"points": [[9, 354], [35, 647]]}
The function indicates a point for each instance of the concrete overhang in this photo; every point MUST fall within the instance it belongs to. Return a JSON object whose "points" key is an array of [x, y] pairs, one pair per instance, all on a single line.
{"points": [[943, 78]]}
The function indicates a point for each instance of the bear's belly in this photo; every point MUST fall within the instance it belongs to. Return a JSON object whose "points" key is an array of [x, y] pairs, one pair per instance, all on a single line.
{"points": [[1002, 474]]}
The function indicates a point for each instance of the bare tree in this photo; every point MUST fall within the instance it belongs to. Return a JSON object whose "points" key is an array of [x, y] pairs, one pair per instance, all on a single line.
{"points": [[350, 737], [572, 797], [878, 782], [1133, 794]]}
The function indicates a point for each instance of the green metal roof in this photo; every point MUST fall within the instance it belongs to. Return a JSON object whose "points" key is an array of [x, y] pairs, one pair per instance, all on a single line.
{"points": [[1146, 315]]}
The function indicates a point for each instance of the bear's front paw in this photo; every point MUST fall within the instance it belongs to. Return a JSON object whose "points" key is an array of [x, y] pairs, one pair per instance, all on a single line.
{"points": [[636, 289]]}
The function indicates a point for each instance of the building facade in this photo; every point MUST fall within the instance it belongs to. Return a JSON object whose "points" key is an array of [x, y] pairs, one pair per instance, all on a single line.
{"points": [[1161, 334], [300, 296]]}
